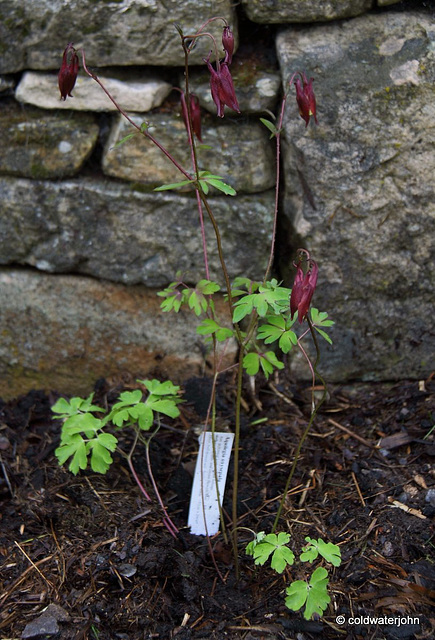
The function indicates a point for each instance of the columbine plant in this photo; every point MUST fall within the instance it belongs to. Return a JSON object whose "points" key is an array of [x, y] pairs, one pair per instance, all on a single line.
{"points": [[263, 313], [87, 438], [312, 592]]}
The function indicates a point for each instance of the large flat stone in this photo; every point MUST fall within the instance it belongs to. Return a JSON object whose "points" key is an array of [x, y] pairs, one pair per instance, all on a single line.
{"points": [[112, 231], [360, 192], [241, 152], [37, 144], [133, 90], [34, 34], [64, 332], [270, 11]]}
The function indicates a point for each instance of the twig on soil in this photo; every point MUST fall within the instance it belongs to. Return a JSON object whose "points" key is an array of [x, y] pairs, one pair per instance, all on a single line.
{"points": [[367, 443], [46, 580], [404, 507], [358, 490]]}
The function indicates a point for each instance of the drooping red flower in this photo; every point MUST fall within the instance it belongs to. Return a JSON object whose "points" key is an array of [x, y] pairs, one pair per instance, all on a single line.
{"points": [[68, 71], [305, 98], [195, 113], [222, 87], [228, 44], [303, 287]]}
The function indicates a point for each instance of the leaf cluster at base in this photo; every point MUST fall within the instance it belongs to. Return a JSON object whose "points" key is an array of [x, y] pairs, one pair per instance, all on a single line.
{"points": [[313, 594], [83, 435]]}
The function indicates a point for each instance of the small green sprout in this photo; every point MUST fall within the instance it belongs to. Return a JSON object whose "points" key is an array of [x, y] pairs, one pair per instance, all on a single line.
{"points": [[314, 548], [275, 546], [314, 594]]}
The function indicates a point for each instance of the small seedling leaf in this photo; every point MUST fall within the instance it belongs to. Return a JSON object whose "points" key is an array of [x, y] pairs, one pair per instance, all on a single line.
{"points": [[317, 597], [314, 595], [251, 545], [297, 594], [331, 552], [274, 545]]}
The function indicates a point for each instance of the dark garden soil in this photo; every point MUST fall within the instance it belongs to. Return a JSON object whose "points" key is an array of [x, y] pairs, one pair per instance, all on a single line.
{"points": [[93, 549]]}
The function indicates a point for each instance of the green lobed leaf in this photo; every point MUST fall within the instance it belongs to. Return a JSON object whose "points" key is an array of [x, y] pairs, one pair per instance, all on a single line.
{"points": [[297, 594], [314, 595], [207, 327], [82, 423], [251, 362], [259, 537], [331, 552], [195, 302], [281, 558], [77, 449], [207, 287], [79, 459], [317, 597], [275, 546], [287, 341], [269, 333], [100, 456], [74, 406], [223, 334], [157, 388], [319, 318], [166, 406], [269, 361]]}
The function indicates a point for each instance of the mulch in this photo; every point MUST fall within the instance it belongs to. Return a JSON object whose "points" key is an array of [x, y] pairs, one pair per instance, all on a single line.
{"points": [[97, 554]]}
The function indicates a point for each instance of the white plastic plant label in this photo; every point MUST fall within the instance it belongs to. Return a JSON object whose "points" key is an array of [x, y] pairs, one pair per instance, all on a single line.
{"points": [[204, 504]]}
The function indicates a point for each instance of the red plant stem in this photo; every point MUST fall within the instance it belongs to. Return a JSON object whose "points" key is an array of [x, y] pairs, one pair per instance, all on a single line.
{"points": [[166, 520], [277, 181], [188, 118], [136, 478], [127, 117]]}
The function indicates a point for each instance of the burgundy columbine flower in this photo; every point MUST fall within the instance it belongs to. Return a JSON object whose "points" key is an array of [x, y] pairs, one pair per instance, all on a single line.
{"points": [[68, 71], [228, 44], [195, 114], [222, 87], [305, 98], [303, 286]]}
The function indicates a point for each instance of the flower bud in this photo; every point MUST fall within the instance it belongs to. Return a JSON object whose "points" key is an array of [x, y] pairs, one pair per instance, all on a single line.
{"points": [[228, 44], [68, 71], [195, 114]]}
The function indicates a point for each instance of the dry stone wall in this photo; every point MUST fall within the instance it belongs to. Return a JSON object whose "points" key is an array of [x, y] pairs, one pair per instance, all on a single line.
{"points": [[85, 242]]}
